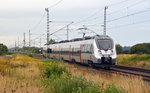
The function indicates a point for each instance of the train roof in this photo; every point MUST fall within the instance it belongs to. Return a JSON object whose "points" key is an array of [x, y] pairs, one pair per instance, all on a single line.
{"points": [[81, 39]]}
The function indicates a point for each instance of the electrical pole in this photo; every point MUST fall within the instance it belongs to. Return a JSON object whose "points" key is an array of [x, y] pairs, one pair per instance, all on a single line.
{"points": [[29, 38], [18, 43], [68, 30], [40, 42], [24, 41], [15, 46], [47, 10], [106, 7]]}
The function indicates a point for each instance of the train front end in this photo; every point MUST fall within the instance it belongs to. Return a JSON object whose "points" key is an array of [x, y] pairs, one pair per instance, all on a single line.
{"points": [[105, 51]]}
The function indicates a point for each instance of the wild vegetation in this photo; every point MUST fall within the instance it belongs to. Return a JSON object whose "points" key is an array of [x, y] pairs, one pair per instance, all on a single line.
{"points": [[143, 48], [3, 49], [135, 60], [19, 74], [23, 74]]}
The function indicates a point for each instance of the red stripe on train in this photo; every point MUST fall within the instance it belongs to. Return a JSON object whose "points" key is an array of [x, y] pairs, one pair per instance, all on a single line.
{"points": [[80, 53]]}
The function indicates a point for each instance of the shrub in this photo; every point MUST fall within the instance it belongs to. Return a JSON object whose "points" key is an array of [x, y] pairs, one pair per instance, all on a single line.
{"points": [[113, 89], [119, 48], [30, 55], [10, 53], [3, 49], [59, 80], [72, 85], [53, 69]]}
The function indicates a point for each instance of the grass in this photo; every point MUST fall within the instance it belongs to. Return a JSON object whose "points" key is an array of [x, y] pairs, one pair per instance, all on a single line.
{"points": [[136, 60], [20, 75], [130, 83], [23, 74], [59, 80]]}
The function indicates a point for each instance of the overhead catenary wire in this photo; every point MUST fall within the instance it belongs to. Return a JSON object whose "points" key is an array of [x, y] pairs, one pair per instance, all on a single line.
{"points": [[55, 4], [132, 5], [97, 12], [140, 22], [37, 25], [42, 17], [139, 12]]}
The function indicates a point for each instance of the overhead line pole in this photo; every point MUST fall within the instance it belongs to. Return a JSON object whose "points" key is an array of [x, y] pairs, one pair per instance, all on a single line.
{"points": [[106, 7], [47, 10], [18, 41], [40, 42], [24, 41], [15, 46], [70, 22], [29, 38]]}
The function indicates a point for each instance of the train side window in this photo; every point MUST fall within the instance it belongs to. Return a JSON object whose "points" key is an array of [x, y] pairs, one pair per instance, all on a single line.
{"points": [[91, 49], [49, 51]]}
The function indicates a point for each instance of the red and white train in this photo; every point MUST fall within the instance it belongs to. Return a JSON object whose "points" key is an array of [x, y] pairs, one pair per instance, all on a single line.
{"points": [[98, 50]]}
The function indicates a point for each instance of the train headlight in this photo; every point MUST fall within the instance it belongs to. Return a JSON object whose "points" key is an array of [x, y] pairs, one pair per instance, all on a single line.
{"points": [[112, 52], [100, 52]]}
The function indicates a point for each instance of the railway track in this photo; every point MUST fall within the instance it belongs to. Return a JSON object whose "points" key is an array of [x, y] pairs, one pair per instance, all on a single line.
{"points": [[144, 73]]}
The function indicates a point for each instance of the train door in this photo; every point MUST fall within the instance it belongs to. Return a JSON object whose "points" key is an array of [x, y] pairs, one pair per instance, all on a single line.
{"points": [[70, 53], [80, 53]]}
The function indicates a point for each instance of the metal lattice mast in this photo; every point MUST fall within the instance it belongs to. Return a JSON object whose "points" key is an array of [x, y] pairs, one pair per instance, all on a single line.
{"points": [[106, 7], [29, 38], [47, 10], [24, 41]]}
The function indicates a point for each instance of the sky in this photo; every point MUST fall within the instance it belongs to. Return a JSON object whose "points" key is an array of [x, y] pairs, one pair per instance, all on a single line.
{"points": [[128, 21]]}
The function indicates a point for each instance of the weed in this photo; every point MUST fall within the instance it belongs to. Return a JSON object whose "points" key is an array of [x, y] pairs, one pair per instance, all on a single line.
{"points": [[59, 80], [113, 89], [30, 55], [143, 65], [136, 60], [52, 69], [47, 60], [72, 85]]}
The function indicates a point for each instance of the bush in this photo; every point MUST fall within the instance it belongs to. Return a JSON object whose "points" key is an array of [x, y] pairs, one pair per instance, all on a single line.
{"points": [[52, 69], [113, 89], [59, 80], [119, 48], [72, 85], [10, 53], [30, 55], [3, 49]]}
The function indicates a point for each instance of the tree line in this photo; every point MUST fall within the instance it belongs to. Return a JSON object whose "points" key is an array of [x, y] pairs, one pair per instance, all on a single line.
{"points": [[3, 49], [143, 48]]}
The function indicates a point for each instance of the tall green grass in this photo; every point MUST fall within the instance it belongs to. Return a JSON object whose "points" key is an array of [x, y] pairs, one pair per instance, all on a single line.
{"points": [[139, 60], [57, 79]]}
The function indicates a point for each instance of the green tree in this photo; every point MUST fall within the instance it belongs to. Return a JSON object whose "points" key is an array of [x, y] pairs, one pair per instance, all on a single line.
{"points": [[143, 48], [118, 48], [51, 41], [3, 49]]}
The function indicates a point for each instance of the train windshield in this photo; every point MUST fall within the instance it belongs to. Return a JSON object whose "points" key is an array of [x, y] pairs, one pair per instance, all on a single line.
{"points": [[105, 44]]}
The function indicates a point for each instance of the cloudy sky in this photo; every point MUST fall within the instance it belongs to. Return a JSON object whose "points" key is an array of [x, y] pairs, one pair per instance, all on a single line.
{"points": [[128, 21]]}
